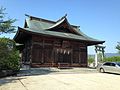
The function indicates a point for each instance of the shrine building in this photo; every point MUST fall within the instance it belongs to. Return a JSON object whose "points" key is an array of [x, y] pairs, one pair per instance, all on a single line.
{"points": [[46, 43]]}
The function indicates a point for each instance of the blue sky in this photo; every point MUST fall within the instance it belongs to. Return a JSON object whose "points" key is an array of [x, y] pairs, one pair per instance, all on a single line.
{"points": [[99, 19]]}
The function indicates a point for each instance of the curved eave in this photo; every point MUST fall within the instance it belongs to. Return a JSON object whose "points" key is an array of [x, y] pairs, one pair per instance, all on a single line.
{"points": [[16, 35], [21, 36], [57, 24], [94, 43], [23, 33]]}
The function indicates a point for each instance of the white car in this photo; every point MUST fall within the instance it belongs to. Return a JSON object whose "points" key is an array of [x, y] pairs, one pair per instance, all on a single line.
{"points": [[112, 67]]}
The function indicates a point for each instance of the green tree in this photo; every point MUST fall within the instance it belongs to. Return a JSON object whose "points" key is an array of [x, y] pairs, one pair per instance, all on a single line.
{"points": [[118, 47], [9, 56], [90, 59], [6, 24]]}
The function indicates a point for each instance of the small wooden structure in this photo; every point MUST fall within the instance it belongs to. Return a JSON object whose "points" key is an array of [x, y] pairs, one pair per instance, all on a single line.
{"points": [[46, 43]]}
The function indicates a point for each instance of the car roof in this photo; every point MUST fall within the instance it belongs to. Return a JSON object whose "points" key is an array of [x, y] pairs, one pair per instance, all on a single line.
{"points": [[111, 62]]}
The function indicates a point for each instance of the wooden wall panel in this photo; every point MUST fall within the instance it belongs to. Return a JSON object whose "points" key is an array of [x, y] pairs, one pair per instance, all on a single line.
{"points": [[48, 55], [51, 50], [37, 54], [75, 56], [83, 55]]}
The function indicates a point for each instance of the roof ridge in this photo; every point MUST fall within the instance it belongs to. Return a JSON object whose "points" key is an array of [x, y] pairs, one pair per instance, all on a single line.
{"points": [[46, 20], [36, 18]]}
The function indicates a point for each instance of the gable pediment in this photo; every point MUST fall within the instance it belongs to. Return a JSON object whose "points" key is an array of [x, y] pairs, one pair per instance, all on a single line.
{"points": [[63, 25], [62, 28]]}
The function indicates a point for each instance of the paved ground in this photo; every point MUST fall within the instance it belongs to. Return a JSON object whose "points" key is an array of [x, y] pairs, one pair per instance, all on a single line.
{"points": [[65, 79]]}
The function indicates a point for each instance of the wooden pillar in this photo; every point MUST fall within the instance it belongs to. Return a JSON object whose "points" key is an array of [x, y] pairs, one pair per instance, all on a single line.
{"points": [[31, 53], [42, 51], [52, 56], [79, 56], [71, 56]]}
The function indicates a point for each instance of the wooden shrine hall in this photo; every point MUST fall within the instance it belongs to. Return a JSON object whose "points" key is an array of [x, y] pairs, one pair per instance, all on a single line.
{"points": [[46, 43]]}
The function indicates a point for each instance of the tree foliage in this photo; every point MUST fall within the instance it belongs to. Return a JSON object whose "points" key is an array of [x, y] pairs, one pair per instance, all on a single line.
{"points": [[6, 24], [112, 59], [105, 59], [118, 47], [9, 56], [90, 59]]}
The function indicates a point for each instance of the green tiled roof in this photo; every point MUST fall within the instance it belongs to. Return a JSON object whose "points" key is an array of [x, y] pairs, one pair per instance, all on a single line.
{"points": [[42, 27], [43, 24], [38, 25]]}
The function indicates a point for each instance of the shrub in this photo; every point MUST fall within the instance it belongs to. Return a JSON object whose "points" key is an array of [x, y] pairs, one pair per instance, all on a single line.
{"points": [[9, 56], [112, 59], [90, 60]]}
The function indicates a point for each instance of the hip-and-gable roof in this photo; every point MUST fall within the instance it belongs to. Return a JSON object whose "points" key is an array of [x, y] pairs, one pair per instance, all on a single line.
{"points": [[60, 28]]}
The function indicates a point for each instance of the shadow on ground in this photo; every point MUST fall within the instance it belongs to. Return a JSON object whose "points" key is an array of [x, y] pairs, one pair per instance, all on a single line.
{"points": [[112, 73], [9, 79], [25, 72], [45, 71], [36, 71]]}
